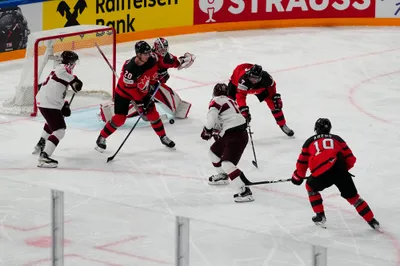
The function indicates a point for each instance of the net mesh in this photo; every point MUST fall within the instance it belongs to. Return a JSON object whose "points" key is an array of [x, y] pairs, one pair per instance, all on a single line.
{"points": [[91, 68]]}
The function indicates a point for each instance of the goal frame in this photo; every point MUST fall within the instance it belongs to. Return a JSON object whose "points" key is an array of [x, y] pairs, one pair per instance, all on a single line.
{"points": [[65, 35]]}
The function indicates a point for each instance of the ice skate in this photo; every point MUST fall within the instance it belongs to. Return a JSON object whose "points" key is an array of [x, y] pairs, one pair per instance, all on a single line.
{"points": [[167, 142], [374, 224], [219, 179], [39, 146], [100, 144], [46, 162], [245, 195], [287, 130], [319, 219]]}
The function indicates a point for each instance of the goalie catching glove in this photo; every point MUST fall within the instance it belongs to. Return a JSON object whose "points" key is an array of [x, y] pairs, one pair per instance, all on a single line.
{"points": [[186, 60]]}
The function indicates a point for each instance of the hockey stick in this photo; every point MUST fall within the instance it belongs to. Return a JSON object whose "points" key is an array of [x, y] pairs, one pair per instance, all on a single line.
{"points": [[137, 121], [268, 182], [105, 59], [254, 162]]}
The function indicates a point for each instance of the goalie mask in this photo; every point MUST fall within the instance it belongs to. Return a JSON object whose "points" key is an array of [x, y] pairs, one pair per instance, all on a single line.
{"points": [[254, 74], [161, 46], [220, 89]]}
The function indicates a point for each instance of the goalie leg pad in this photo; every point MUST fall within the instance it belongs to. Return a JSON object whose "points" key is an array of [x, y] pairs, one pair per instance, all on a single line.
{"points": [[183, 110], [106, 112]]}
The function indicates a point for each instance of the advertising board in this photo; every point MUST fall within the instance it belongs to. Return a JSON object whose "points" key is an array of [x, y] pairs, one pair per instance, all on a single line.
{"points": [[124, 15], [387, 9], [217, 11], [16, 23]]}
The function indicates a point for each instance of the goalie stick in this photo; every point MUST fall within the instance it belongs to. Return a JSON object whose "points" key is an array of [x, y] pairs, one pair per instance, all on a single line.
{"points": [[133, 127]]}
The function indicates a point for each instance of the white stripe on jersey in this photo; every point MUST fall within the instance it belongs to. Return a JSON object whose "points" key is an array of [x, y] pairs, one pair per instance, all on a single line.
{"points": [[223, 114], [53, 90]]}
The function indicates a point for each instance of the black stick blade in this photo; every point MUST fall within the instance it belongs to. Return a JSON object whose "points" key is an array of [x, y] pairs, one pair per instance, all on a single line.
{"points": [[109, 159], [255, 164]]}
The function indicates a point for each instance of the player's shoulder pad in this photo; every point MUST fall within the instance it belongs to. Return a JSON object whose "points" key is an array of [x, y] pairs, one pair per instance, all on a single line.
{"points": [[267, 79], [338, 138], [214, 103], [308, 142]]}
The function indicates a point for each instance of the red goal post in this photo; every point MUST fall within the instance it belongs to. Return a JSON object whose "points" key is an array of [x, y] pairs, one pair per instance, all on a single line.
{"points": [[46, 46]]}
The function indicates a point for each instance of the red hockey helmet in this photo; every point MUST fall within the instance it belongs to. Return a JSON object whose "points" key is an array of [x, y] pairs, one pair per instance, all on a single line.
{"points": [[161, 46]]}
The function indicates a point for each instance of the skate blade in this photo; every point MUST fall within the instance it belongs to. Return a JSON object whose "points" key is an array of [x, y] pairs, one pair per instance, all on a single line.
{"points": [[319, 224], [218, 183], [47, 165], [244, 199], [97, 148]]}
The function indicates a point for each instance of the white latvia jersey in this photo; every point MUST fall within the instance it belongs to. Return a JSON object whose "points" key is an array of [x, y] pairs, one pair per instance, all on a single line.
{"points": [[223, 114], [54, 88]]}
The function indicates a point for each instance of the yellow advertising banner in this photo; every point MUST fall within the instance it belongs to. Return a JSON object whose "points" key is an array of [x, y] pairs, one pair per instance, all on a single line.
{"points": [[124, 15]]}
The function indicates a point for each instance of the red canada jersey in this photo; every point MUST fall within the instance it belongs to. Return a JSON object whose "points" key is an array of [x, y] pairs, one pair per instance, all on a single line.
{"points": [[319, 154], [240, 85], [134, 80]]}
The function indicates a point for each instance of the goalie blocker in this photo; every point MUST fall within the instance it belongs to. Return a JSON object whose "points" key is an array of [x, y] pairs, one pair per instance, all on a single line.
{"points": [[166, 97]]}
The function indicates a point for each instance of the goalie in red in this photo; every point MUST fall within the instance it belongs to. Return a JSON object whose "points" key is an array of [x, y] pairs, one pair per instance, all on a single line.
{"points": [[329, 159], [252, 79], [166, 97], [53, 107], [137, 83]]}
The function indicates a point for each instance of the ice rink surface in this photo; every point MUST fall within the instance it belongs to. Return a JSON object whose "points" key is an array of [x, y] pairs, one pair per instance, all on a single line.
{"points": [[122, 213]]}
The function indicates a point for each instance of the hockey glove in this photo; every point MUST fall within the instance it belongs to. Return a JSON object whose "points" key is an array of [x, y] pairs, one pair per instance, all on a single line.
{"points": [[186, 60], [65, 110], [245, 111], [163, 76], [277, 102], [296, 179], [76, 84], [206, 134]]}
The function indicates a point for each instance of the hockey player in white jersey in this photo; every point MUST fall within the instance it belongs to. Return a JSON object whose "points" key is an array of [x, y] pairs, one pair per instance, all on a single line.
{"points": [[53, 107], [228, 127]]}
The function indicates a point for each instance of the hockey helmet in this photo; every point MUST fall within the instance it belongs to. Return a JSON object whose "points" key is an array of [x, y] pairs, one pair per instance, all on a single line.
{"points": [[220, 89], [142, 47], [69, 57], [161, 46], [254, 73], [322, 126]]}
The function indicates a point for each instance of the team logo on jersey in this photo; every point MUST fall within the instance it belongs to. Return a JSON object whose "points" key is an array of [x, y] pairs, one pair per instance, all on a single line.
{"points": [[72, 18], [210, 7]]}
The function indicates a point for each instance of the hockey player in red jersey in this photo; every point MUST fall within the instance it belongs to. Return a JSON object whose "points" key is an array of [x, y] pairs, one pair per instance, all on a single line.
{"points": [[137, 83], [228, 127], [329, 159], [252, 79], [166, 97]]}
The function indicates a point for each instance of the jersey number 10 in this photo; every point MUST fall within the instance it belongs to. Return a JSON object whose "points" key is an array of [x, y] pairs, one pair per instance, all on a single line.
{"points": [[327, 144]]}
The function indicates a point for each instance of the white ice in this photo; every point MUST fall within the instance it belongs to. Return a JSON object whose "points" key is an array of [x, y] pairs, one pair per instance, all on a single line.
{"points": [[122, 213]]}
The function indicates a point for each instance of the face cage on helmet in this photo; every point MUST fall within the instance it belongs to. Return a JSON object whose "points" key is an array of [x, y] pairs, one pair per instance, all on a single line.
{"points": [[161, 49]]}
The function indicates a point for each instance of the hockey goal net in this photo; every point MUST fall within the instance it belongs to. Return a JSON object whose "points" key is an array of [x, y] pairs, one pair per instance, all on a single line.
{"points": [[42, 54]]}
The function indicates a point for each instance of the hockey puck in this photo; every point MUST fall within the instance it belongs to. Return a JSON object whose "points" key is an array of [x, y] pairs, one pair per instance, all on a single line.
{"points": [[171, 121]]}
